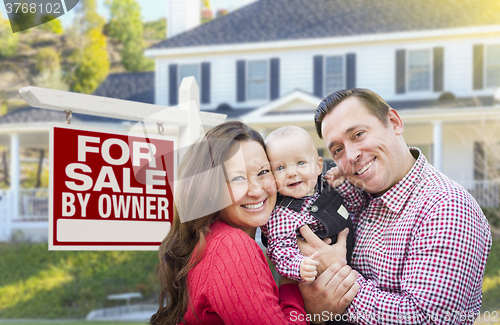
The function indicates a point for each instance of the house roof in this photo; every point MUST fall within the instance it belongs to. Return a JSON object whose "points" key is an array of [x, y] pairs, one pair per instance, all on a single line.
{"points": [[135, 86], [476, 101], [40, 115], [273, 20], [230, 112]]}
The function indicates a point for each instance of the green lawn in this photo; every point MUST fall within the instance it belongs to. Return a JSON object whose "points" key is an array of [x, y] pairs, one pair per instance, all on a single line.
{"points": [[491, 281], [38, 283]]}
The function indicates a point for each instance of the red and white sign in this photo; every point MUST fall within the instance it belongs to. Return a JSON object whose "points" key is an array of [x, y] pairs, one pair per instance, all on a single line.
{"points": [[109, 191]]}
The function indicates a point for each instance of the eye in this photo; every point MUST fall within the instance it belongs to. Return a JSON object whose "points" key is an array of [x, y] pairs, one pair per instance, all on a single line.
{"points": [[357, 135], [301, 163], [263, 172], [238, 178], [336, 151], [279, 168]]}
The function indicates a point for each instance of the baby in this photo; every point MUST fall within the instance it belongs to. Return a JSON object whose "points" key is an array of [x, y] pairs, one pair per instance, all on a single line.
{"points": [[303, 199]]}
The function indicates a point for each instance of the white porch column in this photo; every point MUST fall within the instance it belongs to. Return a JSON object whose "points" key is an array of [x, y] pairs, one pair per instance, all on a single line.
{"points": [[437, 152], [14, 174]]}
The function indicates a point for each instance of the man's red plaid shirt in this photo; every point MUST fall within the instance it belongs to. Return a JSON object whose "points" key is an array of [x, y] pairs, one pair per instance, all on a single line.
{"points": [[420, 249]]}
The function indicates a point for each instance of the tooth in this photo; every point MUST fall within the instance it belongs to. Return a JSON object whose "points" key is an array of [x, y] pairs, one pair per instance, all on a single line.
{"points": [[254, 206], [362, 170]]}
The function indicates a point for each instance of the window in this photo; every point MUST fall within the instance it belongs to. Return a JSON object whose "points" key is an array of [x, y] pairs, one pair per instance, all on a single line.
{"points": [[189, 70], [493, 66], [258, 80], [419, 70], [334, 74]]}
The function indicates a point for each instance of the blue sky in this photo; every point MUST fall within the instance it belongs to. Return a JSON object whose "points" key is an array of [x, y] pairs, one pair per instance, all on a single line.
{"points": [[150, 9]]}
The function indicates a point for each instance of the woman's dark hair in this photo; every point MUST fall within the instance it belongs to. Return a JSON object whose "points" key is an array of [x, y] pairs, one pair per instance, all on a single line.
{"points": [[373, 102], [200, 187]]}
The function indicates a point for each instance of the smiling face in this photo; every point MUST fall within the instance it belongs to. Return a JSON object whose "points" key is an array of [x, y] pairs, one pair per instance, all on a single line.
{"points": [[371, 155], [295, 164], [252, 187]]}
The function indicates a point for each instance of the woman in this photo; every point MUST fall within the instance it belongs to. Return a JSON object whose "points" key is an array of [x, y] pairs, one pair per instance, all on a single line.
{"points": [[211, 270]]}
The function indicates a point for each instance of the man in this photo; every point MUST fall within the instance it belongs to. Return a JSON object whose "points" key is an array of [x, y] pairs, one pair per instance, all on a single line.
{"points": [[421, 240]]}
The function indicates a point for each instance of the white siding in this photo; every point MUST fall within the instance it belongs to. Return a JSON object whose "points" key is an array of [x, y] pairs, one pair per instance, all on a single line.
{"points": [[458, 68], [182, 16], [375, 69], [223, 81], [176, 17], [161, 83], [296, 71]]}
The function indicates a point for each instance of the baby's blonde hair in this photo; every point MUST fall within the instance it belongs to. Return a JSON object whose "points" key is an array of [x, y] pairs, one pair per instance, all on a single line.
{"points": [[287, 131]]}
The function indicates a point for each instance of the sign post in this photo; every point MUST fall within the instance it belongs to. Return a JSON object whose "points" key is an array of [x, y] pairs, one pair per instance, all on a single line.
{"points": [[112, 191]]}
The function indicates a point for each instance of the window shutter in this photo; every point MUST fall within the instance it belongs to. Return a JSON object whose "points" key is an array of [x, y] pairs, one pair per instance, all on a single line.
{"points": [[350, 78], [318, 75], [438, 68], [205, 82], [400, 71], [479, 161], [275, 78], [478, 66], [172, 85], [240, 81]]}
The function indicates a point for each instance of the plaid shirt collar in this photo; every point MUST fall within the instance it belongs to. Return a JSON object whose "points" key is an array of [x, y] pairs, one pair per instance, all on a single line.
{"points": [[398, 194]]}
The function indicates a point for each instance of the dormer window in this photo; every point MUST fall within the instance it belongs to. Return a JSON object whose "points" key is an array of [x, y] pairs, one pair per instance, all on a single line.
{"points": [[419, 70]]}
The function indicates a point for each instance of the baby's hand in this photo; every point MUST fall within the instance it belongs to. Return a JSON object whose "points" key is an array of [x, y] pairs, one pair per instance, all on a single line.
{"points": [[334, 177], [308, 267]]}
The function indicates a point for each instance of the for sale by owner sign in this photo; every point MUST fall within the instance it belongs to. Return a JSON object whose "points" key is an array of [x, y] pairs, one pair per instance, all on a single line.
{"points": [[109, 191]]}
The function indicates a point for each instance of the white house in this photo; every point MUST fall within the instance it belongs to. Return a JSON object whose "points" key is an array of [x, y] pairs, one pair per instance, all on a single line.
{"points": [[270, 63]]}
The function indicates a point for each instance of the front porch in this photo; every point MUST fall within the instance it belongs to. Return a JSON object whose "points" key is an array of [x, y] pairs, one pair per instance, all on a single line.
{"points": [[31, 222]]}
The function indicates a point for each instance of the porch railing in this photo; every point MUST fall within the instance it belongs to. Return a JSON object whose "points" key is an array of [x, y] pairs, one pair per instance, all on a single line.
{"points": [[4, 213], [486, 193], [33, 205]]}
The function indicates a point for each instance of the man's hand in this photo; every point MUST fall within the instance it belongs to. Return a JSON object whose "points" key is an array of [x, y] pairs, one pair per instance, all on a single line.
{"points": [[332, 291], [334, 177], [308, 267], [328, 254]]}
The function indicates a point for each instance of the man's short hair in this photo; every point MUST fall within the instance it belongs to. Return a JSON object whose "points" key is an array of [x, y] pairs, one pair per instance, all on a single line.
{"points": [[373, 102]]}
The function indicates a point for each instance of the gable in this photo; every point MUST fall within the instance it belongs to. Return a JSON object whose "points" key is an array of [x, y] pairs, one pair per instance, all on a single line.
{"points": [[295, 105]]}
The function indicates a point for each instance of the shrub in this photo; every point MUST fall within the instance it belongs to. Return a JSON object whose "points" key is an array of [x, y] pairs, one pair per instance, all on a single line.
{"points": [[8, 40]]}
